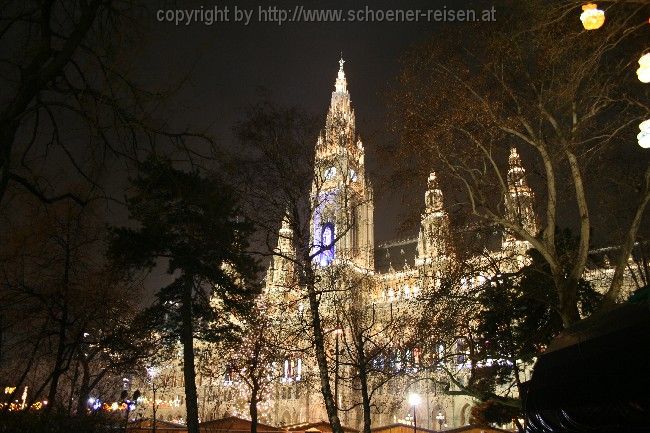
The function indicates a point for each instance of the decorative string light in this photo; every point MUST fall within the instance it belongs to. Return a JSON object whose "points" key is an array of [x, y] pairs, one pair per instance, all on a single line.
{"points": [[644, 135], [644, 68], [592, 18]]}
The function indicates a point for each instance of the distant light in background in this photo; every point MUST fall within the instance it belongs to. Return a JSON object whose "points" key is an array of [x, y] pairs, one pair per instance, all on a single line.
{"points": [[152, 372], [644, 68], [592, 18], [644, 135]]}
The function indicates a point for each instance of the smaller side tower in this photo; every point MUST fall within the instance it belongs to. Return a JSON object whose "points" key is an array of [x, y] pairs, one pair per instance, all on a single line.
{"points": [[433, 240], [518, 204], [280, 275]]}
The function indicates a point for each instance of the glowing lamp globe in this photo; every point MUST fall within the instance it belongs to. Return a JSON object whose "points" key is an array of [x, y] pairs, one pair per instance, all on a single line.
{"points": [[152, 372], [644, 68], [644, 135], [592, 18], [414, 399]]}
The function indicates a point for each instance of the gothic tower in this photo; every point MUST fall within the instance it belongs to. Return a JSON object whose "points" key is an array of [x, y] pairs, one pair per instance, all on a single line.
{"points": [[280, 274], [518, 202], [433, 240], [342, 199]]}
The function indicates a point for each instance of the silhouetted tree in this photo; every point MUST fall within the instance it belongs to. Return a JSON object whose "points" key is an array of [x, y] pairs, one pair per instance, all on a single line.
{"points": [[64, 77], [193, 223]]}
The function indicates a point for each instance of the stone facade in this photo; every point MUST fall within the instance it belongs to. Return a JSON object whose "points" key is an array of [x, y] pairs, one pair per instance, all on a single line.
{"points": [[388, 279]]}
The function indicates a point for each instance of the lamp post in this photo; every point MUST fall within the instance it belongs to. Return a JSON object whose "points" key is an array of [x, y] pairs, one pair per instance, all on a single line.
{"points": [[441, 419], [338, 331], [129, 405], [152, 372], [414, 400]]}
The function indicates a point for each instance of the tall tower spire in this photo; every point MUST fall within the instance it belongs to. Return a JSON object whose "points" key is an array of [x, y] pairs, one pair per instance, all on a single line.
{"points": [[519, 198], [341, 194], [433, 239], [340, 118]]}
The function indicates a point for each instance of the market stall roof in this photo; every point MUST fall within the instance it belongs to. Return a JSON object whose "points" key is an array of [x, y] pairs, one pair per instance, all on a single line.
{"points": [[594, 376]]}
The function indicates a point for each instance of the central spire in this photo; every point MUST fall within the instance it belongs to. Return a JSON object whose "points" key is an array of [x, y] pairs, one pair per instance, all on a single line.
{"points": [[340, 104], [341, 84]]}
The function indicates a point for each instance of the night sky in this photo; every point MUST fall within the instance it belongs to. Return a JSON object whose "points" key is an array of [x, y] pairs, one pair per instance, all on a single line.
{"points": [[224, 65]]}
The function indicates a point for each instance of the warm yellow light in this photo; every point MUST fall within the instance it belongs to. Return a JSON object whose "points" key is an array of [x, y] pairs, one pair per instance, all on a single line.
{"points": [[644, 68], [644, 135], [114, 406], [592, 18], [414, 399]]}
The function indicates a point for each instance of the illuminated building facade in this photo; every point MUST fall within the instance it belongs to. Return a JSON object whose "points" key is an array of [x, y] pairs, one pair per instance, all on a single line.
{"points": [[390, 277]]}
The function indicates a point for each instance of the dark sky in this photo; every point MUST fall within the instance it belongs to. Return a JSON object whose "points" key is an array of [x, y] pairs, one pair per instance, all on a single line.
{"points": [[225, 63], [220, 68]]}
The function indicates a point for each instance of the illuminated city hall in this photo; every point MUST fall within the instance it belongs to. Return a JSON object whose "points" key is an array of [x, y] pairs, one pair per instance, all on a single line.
{"points": [[389, 279]]}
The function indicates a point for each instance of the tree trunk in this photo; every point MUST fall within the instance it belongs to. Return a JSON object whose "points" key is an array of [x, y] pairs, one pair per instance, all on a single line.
{"points": [[58, 368], [62, 331], [626, 248], [7, 137], [189, 373], [363, 379], [73, 385], [84, 388], [319, 348], [568, 296], [253, 406]]}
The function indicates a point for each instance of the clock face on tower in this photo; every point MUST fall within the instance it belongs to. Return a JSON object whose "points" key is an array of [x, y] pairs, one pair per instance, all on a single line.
{"points": [[330, 173]]}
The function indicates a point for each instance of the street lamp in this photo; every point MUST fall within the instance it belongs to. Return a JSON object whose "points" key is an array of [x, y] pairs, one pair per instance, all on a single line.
{"points": [[152, 372], [441, 420], [129, 405], [414, 400]]}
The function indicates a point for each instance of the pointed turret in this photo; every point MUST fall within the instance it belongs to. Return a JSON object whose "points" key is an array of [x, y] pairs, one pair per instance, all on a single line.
{"points": [[281, 270], [285, 238], [434, 226], [519, 198], [341, 84]]}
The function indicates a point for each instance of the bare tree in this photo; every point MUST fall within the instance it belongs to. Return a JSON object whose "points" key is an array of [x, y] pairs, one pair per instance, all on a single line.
{"points": [[64, 77], [254, 360], [568, 97], [80, 312], [373, 335]]}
